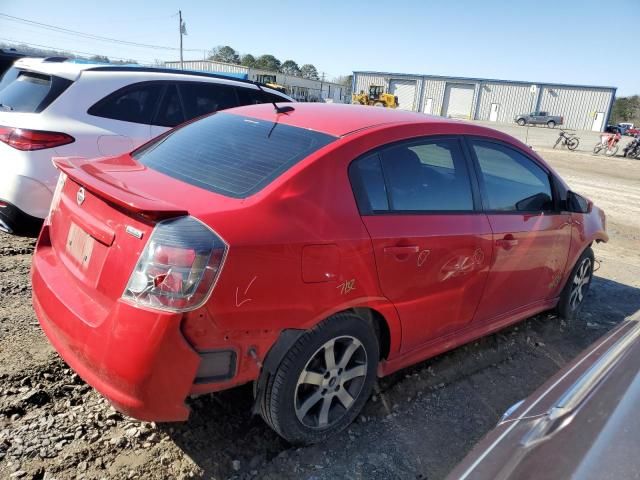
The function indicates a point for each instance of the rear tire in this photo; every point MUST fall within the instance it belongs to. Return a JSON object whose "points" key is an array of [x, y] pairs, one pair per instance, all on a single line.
{"points": [[577, 286], [323, 381], [573, 143], [597, 148], [521, 122], [551, 124]]}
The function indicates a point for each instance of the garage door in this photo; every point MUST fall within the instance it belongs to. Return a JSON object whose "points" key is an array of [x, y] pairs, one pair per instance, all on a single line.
{"points": [[458, 100], [405, 90]]}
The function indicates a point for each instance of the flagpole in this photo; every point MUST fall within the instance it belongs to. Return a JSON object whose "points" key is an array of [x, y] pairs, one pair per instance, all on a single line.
{"points": [[180, 27]]}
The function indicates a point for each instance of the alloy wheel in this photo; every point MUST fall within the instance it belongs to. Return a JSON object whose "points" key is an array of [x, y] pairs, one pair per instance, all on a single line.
{"points": [[580, 281], [330, 382]]}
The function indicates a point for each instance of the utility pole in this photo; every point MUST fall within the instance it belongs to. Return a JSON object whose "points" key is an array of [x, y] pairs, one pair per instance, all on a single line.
{"points": [[181, 28]]}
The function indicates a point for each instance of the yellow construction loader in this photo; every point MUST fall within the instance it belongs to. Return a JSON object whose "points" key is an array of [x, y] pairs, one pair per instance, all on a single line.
{"points": [[375, 98], [277, 86]]}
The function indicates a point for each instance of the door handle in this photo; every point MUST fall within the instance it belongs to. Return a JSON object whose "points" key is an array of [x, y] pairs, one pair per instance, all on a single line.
{"points": [[401, 252], [508, 242]]}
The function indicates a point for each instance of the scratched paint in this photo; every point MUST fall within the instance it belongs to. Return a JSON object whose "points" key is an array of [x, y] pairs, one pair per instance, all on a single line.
{"points": [[347, 286], [241, 300], [422, 257]]}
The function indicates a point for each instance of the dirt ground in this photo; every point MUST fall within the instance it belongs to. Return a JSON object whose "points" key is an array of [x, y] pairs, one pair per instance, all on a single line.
{"points": [[419, 423]]}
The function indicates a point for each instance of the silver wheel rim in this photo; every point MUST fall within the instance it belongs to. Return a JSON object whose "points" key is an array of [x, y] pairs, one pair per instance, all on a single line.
{"points": [[580, 281], [330, 382]]}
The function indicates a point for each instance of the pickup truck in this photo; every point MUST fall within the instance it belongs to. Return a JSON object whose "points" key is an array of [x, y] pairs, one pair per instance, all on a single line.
{"points": [[539, 118]]}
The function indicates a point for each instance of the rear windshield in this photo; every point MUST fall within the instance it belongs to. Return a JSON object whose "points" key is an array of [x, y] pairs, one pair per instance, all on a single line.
{"points": [[230, 154], [29, 92]]}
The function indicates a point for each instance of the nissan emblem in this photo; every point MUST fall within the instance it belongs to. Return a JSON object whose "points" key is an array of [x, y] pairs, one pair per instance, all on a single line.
{"points": [[80, 196]]}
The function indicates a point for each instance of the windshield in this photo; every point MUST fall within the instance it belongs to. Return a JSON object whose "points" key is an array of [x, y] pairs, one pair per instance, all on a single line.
{"points": [[229, 154]]}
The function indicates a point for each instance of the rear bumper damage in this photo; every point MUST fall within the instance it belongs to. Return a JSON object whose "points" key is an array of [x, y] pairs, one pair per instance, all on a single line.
{"points": [[138, 359]]}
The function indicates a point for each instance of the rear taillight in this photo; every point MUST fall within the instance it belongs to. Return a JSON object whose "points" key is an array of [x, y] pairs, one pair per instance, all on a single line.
{"points": [[178, 267], [23, 139]]}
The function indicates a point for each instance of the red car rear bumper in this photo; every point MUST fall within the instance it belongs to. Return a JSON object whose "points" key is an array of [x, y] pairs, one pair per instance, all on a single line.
{"points": [[138, 359]]}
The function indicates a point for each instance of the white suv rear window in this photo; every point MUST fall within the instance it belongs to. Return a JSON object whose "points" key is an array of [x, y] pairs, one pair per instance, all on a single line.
{"points": [[30, 92]]}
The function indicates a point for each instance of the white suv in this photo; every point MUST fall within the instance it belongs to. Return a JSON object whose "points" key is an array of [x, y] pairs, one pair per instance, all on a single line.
{"points": [[52, 107]]}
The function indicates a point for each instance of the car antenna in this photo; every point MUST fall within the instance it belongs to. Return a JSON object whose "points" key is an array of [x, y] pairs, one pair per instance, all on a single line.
{"points": [[284, 109]]}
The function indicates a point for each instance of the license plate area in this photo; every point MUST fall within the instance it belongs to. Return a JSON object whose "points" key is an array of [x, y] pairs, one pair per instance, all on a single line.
{"points": [[79, 245]]}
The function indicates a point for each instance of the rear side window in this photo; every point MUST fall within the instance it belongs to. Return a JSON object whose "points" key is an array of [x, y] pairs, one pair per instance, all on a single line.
{"points": [[136, 103], [510, 180], [229, 154], [429, 175], [30, 92], [368, 184], [170, 113], [202, 98]]}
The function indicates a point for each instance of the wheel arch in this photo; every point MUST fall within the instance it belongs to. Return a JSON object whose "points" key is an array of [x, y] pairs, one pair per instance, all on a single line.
{"points": [[388, 341], [380, 326]]}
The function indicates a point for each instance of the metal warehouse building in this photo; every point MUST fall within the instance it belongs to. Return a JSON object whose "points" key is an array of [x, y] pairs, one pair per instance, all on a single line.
{"points": [[302, 89], [583, 107]]}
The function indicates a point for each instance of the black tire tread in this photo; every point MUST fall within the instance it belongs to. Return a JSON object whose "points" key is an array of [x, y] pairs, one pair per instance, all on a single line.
{"points": [[563, 309], [269, 407]]}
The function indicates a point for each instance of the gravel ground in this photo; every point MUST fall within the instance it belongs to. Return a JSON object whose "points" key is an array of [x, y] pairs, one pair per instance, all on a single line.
{"points": [[419, 423]]}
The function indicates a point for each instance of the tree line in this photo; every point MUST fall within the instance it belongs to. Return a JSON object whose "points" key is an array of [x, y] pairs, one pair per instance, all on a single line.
{"points": [[626, 109], [227, 54]]}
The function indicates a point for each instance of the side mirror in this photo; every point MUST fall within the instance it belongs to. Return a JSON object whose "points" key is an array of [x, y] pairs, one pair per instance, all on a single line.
{"points": [[577, 203]]}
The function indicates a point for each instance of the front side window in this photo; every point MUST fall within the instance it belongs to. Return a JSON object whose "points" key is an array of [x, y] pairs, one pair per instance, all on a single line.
{"points": [[511, 181], [230, 154], [136, 104], [427, 176]]}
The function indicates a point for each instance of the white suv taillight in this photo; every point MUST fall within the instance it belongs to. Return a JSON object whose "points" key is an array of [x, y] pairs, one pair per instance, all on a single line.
{"points": [[178, 267]]}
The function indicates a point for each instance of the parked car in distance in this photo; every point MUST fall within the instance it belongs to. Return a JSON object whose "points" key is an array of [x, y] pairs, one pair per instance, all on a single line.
{"points": [[307, 251], [614, 129], [633, 132], [55, 107], [628, 127], [539, 118], [582, 423]]}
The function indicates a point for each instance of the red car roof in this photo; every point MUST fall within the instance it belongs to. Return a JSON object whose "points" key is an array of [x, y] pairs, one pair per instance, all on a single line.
{"points": [[334, 118]]}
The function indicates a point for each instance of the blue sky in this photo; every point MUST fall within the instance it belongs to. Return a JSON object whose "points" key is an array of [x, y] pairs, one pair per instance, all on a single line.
{"points": [[547, 41]]}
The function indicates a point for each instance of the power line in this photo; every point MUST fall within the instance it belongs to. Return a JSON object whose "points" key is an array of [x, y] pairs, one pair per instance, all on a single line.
{"points": [[88, 35], [58, 49]]}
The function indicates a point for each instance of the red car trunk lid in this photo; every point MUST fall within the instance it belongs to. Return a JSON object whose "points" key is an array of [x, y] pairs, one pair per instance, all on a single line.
{"points": [[100, 225]]}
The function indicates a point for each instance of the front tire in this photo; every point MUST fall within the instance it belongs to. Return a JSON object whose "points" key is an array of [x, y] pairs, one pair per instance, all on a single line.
{"points": [[573, 143], [597, 148], [323, 381], [551, 124], [611, 152], [577, 286]]}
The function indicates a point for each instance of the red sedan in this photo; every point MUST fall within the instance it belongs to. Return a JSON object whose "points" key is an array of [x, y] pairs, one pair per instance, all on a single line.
{"points": [[308, 249]]}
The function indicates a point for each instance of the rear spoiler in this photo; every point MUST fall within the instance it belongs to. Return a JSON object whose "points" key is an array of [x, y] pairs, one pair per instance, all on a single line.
{"points": [[100, 177]]}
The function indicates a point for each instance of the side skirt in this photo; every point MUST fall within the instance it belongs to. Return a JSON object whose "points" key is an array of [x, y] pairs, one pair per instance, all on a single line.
{"points": [[455, 339]]}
